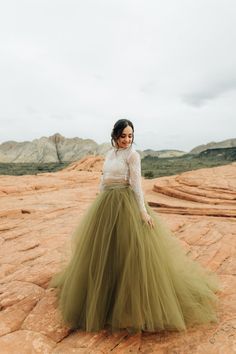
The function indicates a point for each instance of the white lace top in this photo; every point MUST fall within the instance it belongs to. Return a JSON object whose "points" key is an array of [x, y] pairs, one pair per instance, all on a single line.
{"points": [[124, 164]]}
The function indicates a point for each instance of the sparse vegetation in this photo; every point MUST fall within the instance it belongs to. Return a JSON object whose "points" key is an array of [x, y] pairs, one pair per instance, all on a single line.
{"points": [[148, 174], [158, 167], [19, 169], [152, 167]]}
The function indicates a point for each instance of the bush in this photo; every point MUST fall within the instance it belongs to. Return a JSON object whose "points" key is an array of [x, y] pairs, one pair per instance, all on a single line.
{"points": [[148, 174]]}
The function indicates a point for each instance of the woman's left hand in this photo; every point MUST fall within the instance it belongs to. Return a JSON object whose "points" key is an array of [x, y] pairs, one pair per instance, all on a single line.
{"points": [[147, 219]]}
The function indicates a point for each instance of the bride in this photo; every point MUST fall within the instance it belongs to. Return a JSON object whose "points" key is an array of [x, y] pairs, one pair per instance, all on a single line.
{"points": [[127, 270]]}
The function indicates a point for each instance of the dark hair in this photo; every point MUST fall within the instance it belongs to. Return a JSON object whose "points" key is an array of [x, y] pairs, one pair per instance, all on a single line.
{"points": [[118, 128]]}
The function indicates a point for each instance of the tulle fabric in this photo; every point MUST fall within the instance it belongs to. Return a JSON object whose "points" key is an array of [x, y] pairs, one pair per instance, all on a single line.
{"points": [[124, 274]]}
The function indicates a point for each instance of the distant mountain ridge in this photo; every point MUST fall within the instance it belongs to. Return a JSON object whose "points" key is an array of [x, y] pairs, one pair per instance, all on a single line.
{"points": [[214, 145], [57, 148], [162, 153]]}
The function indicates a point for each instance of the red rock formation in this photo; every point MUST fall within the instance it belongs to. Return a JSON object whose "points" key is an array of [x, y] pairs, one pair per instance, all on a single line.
{"points": [[207, 191], [38, 214]]}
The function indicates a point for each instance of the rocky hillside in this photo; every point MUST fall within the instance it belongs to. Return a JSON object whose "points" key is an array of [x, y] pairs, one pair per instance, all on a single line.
{"points": [[213, 145], [55, 148], [58, 149], [162, 153]]}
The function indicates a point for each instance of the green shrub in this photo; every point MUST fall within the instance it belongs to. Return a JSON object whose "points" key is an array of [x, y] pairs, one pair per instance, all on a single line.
{"points": [[148, 174]]}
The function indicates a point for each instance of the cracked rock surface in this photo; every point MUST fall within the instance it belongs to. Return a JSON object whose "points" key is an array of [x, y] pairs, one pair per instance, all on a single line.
{"points": [[38, 214]]}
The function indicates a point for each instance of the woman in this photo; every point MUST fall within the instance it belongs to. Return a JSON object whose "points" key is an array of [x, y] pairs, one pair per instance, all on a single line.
{"points": [[126, 269]]}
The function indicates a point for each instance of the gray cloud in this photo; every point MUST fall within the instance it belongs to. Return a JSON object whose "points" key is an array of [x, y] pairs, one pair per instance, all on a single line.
{"points": [[67, 66], [211, 92]]}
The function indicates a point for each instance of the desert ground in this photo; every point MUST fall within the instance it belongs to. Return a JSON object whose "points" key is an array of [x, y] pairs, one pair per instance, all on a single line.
{"points": [[38, 214]]}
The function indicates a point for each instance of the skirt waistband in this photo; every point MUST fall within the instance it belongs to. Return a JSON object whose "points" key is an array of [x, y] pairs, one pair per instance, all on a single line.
{"points": [[115, 185]]}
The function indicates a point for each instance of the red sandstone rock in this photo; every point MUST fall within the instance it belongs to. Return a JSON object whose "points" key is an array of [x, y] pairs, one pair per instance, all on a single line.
{"points": [[38, 214]]}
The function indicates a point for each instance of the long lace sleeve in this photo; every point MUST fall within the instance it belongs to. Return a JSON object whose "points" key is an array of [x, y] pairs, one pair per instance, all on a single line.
{"points": [[134, 162], [101, 184]]}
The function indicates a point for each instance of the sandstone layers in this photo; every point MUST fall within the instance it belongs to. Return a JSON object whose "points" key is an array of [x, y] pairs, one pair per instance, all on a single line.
{"points": [[38, 214]]}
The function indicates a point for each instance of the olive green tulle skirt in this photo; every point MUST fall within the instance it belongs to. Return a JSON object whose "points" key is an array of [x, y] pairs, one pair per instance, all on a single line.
{"points": [[124, 274]]}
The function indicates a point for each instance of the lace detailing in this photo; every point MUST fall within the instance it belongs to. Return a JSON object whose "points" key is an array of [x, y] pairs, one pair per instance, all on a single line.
{"points": [[124, 165], [101, 185], [134, 162]]}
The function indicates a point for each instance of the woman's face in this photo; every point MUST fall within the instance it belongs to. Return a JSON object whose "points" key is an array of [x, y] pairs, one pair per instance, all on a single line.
{"points": [[126, 137]]}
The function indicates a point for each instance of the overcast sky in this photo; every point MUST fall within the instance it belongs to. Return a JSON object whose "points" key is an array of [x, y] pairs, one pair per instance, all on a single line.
{"points": [[75, 67]]}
